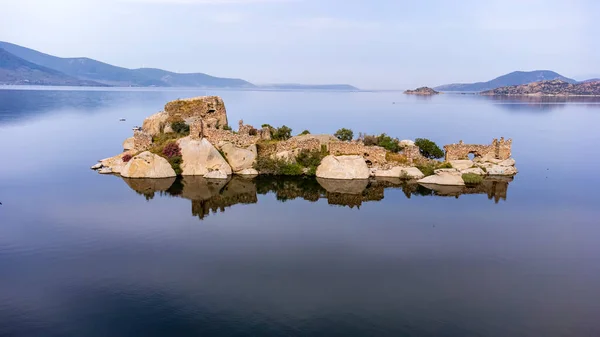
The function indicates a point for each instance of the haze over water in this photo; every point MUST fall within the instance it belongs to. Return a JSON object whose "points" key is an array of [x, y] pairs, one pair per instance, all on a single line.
{"points": [[87, 255]]}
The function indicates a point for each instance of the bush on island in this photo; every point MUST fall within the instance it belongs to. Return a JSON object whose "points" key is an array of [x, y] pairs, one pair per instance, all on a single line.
{"points": [[344, 134], [428, 148]]}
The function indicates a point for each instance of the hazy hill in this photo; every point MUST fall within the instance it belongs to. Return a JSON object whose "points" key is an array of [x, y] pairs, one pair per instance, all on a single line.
{"points": [[15, 70], [514, 78], [89, 69]]}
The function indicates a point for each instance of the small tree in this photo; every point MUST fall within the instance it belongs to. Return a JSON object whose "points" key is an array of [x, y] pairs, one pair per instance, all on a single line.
{"points": [[344, 134], [180, 127], [282, 133], [428, 148], [305, 132], [388, 143]]}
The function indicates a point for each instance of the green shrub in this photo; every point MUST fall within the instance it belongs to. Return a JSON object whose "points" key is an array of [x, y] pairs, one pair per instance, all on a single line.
{"points": [[472, 178], [227, 127], [429, 149], [344, 134], [305, 132], [426, 169], [180, 127], [388, 143], [282, 133], [445, 165], [176, 162], [277, 167], [311, 159]]}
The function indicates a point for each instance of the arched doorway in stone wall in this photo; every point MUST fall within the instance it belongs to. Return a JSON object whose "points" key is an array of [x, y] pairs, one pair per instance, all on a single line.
{"points": [[472, 155]]}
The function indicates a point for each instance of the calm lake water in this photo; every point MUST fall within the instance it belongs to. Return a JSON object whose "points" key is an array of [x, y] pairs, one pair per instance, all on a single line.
{"points": [[88, 255]]}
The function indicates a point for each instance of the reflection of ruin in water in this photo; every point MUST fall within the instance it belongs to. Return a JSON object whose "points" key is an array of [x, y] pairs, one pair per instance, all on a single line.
{"points": [[215, 195]]}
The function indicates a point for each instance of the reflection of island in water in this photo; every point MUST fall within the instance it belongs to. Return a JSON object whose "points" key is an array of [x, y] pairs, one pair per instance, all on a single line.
{"points": [[215, 195], [542, 103]]}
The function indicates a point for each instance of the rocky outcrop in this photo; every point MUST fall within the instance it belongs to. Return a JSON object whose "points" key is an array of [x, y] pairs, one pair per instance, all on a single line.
{"points": [[421, 91], [200, 157], [343, 167], [461, 164], [148, 165], [238, 158], [400, 172], [474, 170], [210, 108], [444, 177], [498, 167], [155, 124]]}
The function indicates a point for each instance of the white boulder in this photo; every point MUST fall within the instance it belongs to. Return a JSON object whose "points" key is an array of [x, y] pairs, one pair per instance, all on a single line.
{"points": [[444, 177], [343, 167], [238, 158], [461, 164], [148, 165], [154, 125], [216, 175], [201, 157], [473, 170], [247, 172], [400, 172]]}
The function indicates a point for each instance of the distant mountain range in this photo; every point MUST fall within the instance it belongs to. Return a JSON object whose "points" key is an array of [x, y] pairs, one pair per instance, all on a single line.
{"points": [[514, 78], [20, 65]]}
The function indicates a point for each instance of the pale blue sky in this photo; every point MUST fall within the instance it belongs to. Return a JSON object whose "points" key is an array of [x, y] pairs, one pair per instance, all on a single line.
{"points": [[374, 44]]}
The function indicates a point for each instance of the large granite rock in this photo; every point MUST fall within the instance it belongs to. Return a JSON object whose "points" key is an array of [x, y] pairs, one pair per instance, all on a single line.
{"points": [[239, 159], [497, 170], [444, 177], [201, 157], [400, 172], [473, 170], [343, 167], [406, 142], [129, 144], [249, 172], [154, 125], [461, 164], [148, 165], [116, 163]]}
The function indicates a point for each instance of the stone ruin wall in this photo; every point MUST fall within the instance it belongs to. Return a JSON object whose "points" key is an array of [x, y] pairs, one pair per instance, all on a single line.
{"points": [[499, 149], [374, 154], [210, 108], [142, 141], [412, 153], [269, 149]]}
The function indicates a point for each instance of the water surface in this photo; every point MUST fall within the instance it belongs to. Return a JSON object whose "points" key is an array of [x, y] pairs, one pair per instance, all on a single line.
{"points": [[88, 255]]}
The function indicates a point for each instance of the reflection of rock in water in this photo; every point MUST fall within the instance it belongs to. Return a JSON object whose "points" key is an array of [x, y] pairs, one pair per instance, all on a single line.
{"points": [[147, 187], [495, 187], [215, 195]]}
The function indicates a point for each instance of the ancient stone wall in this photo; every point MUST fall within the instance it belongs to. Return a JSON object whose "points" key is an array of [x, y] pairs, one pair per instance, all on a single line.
{"points": [[269, 149], [210, 108], [218, 135], [374, 155], [499, 149], [412, 153], [142, 141]]}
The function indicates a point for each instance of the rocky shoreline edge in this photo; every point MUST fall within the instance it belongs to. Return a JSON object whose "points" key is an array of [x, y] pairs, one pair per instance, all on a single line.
{"points": [[192, 137]]}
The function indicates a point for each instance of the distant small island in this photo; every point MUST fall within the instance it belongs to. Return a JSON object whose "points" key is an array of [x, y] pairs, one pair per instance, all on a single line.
{"points": [[421, 91], [548, 88]]}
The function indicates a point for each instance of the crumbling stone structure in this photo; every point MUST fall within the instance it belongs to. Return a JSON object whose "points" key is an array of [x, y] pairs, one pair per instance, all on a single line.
{"points": [[142, 141], [373, 155], [499, 149], [412, 153], [292, 144], [210, 108]]}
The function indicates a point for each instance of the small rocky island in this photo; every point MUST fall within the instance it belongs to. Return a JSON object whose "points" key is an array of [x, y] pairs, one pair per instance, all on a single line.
{"points": [[421, 91], [192, 137], [548, 88]]}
